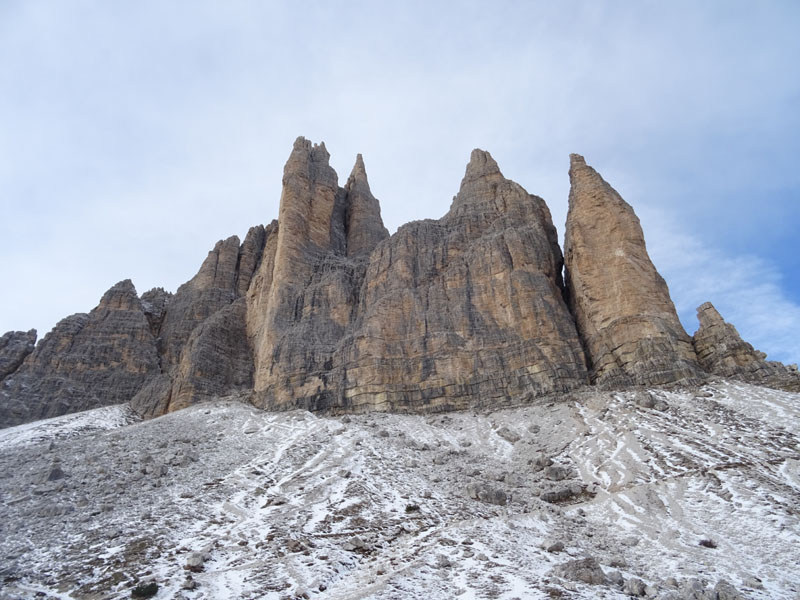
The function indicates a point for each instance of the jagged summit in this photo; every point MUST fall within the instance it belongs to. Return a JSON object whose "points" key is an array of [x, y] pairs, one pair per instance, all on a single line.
{"points": [[481, 164], [362, 213], [323, 310], [576, 160], [721, 350]]}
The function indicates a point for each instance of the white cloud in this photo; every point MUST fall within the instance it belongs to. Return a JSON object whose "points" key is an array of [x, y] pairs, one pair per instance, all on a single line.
{"points": [[745, 289]]}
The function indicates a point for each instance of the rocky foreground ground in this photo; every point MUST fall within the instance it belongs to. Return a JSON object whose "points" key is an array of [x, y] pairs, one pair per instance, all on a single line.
{"points": [[661, 494]]}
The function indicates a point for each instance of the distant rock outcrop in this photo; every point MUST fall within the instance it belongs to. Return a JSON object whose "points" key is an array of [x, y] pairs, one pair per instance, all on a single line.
{"points": [[621, 304], [722, 352], [87, 361], [14, 347], [323, 310]]}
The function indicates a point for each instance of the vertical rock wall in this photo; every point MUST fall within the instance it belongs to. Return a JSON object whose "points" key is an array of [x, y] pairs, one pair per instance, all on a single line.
{"points": [[621, 304], [86, 361], [462, 311]]}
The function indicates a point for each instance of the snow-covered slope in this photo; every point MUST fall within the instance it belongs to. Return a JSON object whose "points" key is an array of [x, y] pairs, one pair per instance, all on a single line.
{"points": [[458, 505]]}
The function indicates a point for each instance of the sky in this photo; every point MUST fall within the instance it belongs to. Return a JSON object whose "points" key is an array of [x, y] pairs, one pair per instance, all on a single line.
{"points": [[135, 134]]}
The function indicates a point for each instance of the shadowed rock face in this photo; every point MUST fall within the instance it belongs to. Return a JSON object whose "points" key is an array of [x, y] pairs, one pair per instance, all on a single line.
{"points": [[87, 361], [721, 351], [214, 287], [204, 347], [14, 347], [621, 304], [462, 311]]}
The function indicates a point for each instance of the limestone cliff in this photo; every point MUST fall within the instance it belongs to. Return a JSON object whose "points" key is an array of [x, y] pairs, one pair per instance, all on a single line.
{"points": [[203, 343], [86, 361], [322, 309], [14, 347], [306, 293], [462, 311], [721, 351], [621, 304]]}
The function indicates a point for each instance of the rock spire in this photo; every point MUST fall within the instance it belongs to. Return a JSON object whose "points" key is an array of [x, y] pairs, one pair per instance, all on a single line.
{"points": [[621, 304], [323, 310], [722, 352]]}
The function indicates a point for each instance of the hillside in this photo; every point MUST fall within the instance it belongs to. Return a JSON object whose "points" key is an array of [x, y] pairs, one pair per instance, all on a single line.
{"points": [[459, 505]]}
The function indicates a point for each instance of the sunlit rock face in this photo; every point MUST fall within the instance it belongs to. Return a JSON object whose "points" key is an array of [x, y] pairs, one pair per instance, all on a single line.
{"points": [[462, 311], [323, 310], [621, 304]]}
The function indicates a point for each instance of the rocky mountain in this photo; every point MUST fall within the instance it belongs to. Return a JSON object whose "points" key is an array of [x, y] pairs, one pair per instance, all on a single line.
{"points": [[86, 361], [323, 310], [457, 410]]}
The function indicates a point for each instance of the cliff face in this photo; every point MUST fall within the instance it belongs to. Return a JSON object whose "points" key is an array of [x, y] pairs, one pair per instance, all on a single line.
{"points": [[444, 314], [323, 310], [621, 304], [14, 347], [88, 360], [204, 350]]}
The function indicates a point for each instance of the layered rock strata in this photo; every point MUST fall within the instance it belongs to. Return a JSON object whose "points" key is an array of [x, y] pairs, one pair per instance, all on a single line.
{"points": [[86, 361], [323, 310], [14, 347], [201, 330], [621, 304], [444, 314], [721, 351]]}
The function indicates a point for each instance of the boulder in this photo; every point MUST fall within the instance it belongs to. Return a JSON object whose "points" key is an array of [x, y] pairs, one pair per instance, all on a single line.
{"points": [[583, 570]]}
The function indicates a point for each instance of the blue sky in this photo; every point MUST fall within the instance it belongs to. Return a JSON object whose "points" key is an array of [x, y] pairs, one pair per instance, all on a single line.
{"points": [[134, 134]]}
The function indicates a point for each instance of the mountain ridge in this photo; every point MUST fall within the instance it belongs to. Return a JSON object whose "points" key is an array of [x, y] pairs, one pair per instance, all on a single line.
{"points": [[322, 309]]}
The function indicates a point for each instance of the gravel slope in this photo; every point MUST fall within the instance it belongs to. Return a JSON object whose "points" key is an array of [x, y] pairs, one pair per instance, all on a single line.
{"points": [[466, 505]]}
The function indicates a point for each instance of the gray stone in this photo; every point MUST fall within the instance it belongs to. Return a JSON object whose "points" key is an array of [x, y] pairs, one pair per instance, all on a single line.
{"points": [[634, 587], [584, 570], [86, 361], [56, 473], [725, 591], [488, 494], [615, 578], [508, 435], [754, 583], [14, 347], [195, 562], [556, 473]]}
